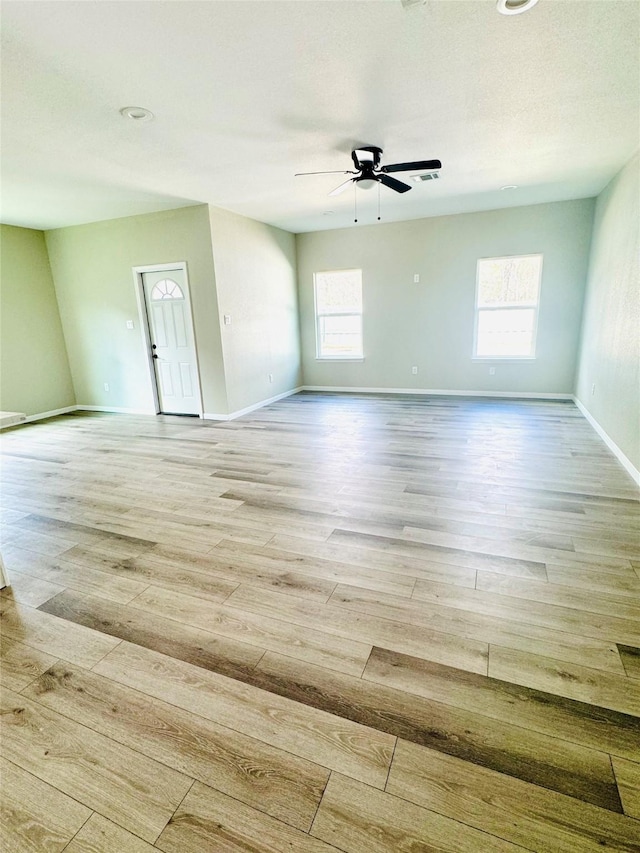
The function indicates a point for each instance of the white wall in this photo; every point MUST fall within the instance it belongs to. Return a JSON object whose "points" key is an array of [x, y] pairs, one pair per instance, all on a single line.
{"points": [[92, 269], [610, 347], [255, 269], [431, 324]]}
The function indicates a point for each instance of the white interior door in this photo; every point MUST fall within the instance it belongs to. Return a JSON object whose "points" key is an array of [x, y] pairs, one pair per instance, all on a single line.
{"points": [[172, 342]]}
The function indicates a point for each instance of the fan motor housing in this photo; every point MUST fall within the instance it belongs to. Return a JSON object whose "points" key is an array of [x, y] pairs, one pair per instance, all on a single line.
{"points": [[367, 165]]}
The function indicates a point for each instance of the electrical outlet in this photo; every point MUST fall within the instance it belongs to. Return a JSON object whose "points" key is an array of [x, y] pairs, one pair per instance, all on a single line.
{"points": [[416, 278], [227, 319], [271, 377], [106, 386], [414, 370], [492, 371], [593, 389], [129, 324]]}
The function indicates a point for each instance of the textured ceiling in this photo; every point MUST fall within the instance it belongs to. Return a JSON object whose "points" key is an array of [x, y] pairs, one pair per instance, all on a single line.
{"points": [[245, 94]]}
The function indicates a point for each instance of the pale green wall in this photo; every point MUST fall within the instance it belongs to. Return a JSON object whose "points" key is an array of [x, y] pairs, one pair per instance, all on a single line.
{"points": [[34, 370], [610, 349], [92, 268], [255, 267], [431, 324]]}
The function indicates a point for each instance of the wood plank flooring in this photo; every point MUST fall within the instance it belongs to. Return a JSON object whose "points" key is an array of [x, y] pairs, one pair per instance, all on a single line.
{"points": [[342, 623]]}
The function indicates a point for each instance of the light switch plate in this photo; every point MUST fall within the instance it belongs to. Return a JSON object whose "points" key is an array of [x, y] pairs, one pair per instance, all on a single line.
{"points": [[227, 319], [129, 324]]}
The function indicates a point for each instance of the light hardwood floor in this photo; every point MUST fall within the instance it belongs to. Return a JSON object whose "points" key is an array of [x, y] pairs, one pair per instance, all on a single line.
{"points": [[364, 624]]}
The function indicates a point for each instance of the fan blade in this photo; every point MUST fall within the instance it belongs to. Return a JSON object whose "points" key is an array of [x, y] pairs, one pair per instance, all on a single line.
{"points": [[341, 188], [339, 172], [393, 184], [418, 166]]}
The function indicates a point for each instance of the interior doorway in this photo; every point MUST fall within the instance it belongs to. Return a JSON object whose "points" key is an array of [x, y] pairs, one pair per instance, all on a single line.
{"points": [[165, 309]]}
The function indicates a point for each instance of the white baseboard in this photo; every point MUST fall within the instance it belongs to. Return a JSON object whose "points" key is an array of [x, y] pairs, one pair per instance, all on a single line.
{"points": [[440, 392], [116, 410], [624, 460], [230, 417], [52, 414], [122, 411], [79, 408], [9, 419]]}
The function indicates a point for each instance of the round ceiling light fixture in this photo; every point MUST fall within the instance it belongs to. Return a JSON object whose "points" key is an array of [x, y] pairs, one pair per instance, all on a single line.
{"points": [[509, 187], [136, 113], [366, 183], [515, 7]]}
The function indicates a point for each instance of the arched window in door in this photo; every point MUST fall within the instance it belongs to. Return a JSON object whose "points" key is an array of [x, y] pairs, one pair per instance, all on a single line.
{"points": [[167, 289]]}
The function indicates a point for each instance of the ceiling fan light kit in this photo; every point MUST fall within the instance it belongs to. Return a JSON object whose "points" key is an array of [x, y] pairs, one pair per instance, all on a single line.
{"points": [[368, 171]]}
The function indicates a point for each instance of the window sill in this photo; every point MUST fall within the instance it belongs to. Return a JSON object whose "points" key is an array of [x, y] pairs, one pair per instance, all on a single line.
{"points": [[339, 358]]}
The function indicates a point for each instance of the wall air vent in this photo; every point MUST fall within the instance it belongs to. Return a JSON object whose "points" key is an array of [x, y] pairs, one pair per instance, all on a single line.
{"points": [[427, 176]]}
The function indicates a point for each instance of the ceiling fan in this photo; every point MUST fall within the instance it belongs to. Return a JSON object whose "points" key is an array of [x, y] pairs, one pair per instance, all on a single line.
{"points": [[369, 171]]}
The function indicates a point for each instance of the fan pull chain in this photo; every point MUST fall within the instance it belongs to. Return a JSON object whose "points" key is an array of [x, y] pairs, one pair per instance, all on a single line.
{"points": [[378, 201], [355, 201]]}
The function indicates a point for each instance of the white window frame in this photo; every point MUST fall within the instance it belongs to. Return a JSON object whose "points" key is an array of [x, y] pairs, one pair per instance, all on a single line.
{"points": [[477, 309], [319, 356]]}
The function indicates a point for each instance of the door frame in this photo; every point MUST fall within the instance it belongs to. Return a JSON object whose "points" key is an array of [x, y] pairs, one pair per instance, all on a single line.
{"points": [[145, 327]]}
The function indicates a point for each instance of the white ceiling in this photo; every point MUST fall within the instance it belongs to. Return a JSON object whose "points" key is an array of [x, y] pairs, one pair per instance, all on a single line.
{"points": [[245, 94]]}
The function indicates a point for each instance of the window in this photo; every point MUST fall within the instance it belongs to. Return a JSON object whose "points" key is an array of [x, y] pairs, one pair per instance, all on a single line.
{"points": [[507, 295], [167, 289], [338, 314]]}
